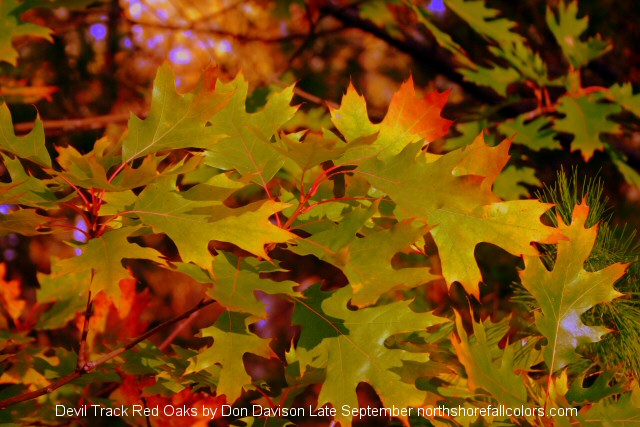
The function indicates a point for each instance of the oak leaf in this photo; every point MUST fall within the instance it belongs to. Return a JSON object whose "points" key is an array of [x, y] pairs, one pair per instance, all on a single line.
{"points": [[408, 120], [192, 221], [568, 290], [483, 372], [102, 257], [175, 120], [452, 193], [231, 341], [350, 347]]}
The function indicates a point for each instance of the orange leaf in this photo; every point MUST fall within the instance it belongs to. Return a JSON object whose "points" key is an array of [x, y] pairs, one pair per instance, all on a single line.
{"points": [[10, 293], [409, 114]]}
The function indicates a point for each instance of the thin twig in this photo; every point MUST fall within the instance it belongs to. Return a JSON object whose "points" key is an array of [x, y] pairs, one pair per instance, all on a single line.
{"points": [[83, 357], [222, 33], [308, 41], [90, 366], [306, 95], [181, 327], [71, 124]]}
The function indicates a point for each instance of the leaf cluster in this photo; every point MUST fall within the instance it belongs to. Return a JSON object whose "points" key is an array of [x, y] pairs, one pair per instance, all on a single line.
{"points": [[328, 265]]}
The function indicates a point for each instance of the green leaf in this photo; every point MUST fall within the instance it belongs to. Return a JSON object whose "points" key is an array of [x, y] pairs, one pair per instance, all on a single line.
{"points": [[623, 95], [509, 186], [493, 374], [469, 131], [316, 149], [354, 350], [601, 388], [12, 26], [192, 219], [24, 221], [569, 290], [231, 341], [528, 63], [536, 134], [586, 119], [332, 239], [247, 148], [90, 170], [623, 412], [366, 261], [30, 146], [236, 282], [567, 29], [65, 290], [103, 257], [93, 169], [443, 39], [497, 78], [306, 312], [26, 189], [174, 120], [453, 194], [620, 160], [485, 21], [351, 118]]}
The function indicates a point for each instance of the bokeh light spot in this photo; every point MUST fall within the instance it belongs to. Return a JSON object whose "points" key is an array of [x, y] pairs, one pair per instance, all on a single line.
{"points": [[135, 9], [9, 254], [180, 55], [437, 6], [225, 46], [98, 31]]}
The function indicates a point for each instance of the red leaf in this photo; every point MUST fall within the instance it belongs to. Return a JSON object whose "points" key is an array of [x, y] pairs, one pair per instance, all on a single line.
{"points": [[418, 116]]}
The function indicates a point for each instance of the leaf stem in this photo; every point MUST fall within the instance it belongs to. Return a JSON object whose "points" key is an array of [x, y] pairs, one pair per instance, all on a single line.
{"points": [[67, 226], [77, 189], [79, 211]]}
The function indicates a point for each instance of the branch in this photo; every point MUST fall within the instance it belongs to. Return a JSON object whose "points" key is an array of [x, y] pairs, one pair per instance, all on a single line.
{"points": [[83, 357], [90, 366], [173, 335], [236, 36], [311, 97], [70, 124], [429, 56]]}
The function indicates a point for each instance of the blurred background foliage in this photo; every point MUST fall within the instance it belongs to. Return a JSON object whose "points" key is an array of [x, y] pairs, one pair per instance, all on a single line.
{"points": [[87, 64], [102, 56]]}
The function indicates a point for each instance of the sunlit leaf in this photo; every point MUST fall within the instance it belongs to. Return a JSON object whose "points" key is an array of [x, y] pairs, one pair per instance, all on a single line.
{"points": [[568, 290]]}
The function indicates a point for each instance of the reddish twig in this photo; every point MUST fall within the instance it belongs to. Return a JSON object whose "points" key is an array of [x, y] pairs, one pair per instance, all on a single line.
{"points": [[69, 124], [90, 366], [181, 327], [83, 354], [77, 189]]}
